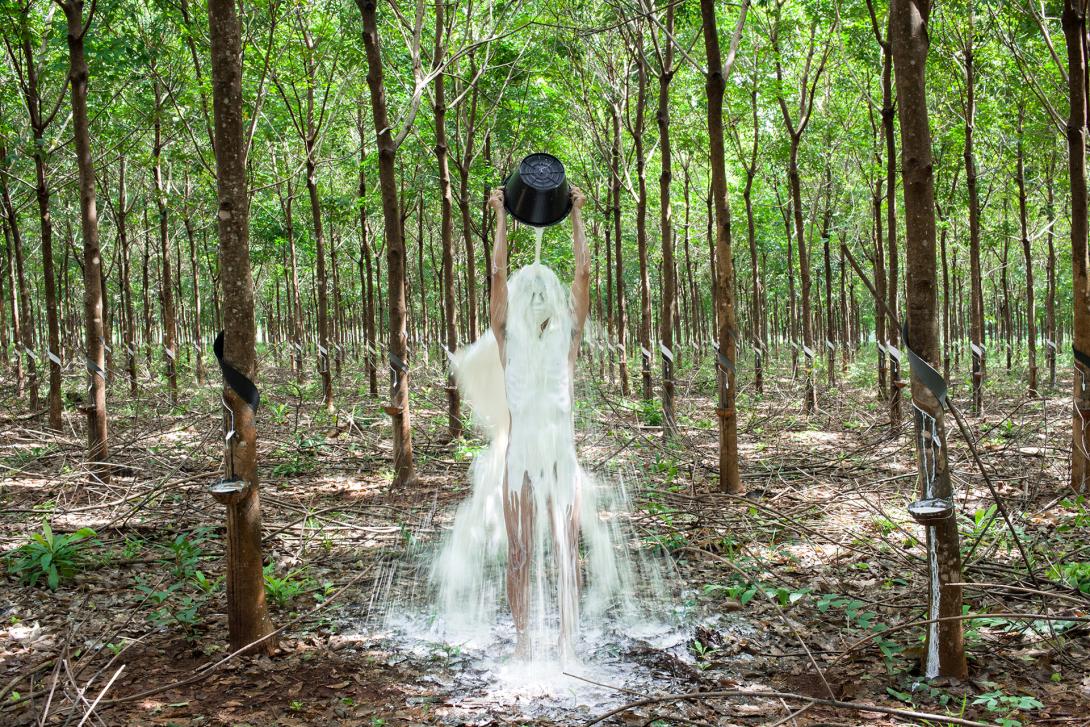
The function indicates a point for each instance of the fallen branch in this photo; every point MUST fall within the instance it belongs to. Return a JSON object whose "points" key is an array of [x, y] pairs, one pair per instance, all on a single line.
{"points": [[735, 693]]}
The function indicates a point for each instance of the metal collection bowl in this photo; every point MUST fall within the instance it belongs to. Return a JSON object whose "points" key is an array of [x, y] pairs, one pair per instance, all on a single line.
{"points": [[931, 511]]}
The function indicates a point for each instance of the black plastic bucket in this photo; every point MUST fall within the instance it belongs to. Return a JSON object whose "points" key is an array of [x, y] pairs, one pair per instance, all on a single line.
{"points": [[537, 193]]}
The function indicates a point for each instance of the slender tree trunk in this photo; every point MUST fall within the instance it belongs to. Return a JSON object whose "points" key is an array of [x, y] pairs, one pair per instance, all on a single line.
{"points": [[1050, 298], [1023, 218], [880, 288], [13, 297], [908, 21], [809, 402], [395, 251], [320, 280], [757, 312], [23, 314], [38, 125], [365, 263], [439, 104], [893, 258], [641, 220], [845, 326], [976, 294], [830, 330], [337, 334], [622, 315], [726, 325], [669, 288], [1074, 26], [166, 292], [94, 328], [247, 616], [196, 317]]}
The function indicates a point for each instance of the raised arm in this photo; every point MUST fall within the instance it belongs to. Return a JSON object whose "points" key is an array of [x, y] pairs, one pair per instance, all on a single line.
{"points": [[498, 302], [580, 287]]}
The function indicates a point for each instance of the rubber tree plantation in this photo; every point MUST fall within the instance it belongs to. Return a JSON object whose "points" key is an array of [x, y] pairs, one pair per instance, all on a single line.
{"points": [[658, 362]]}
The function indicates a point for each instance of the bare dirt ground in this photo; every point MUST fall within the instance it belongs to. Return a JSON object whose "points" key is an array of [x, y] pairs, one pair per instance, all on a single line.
{"points": [[797, 604]]}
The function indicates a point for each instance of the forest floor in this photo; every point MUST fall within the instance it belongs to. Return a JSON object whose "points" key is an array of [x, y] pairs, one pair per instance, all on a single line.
{"points": [[805, 591]]}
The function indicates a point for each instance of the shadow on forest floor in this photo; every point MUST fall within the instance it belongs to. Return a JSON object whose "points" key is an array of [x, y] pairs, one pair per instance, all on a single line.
{"points": [[801, 590]]}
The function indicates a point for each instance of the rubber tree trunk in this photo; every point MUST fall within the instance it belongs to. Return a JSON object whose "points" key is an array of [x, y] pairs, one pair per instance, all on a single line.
{"points": [[908, 21], [976, 293], [298, 341], [16, 319], [195, 323], [404, 472], [94, 329], [880, 322], [126, 276], [622, 306], [637, 131], [830, 320], [466, 162], [38, 125], [757, 310], [166, 292], [726, 325], [1023, 219], [893, 257], [366, 272], [666, 227], [247, 616], [26, 332], [450, 318], [320, 278], [1074, 26], [1050, 298], [809, 402]]}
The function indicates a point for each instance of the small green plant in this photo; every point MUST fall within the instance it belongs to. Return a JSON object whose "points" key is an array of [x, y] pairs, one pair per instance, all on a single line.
{"points": [[186, 551], [282, 590], [1079, 513], [1076, 575], [173, 608], [50, 555], [300, 457], [650, 412], [704, 654], [202, 582], [1009, 705], [464, 451], [279, 411], [741, 592]]}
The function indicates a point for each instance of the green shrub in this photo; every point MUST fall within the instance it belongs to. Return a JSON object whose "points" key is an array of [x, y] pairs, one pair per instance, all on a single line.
{"points": [[55, 556]]}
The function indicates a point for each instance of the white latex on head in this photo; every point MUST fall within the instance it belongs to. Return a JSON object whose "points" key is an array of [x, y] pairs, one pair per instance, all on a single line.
{"points": [[536, 296]]}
